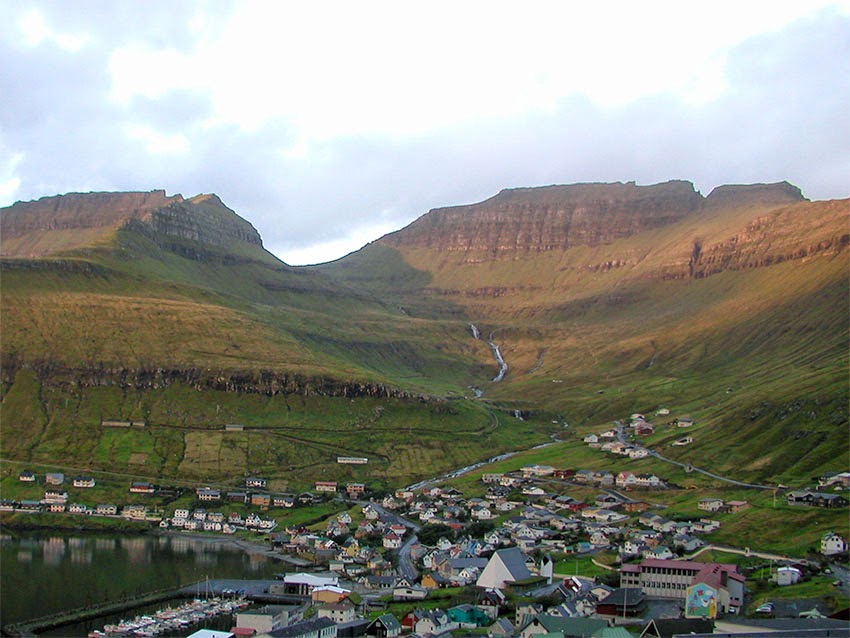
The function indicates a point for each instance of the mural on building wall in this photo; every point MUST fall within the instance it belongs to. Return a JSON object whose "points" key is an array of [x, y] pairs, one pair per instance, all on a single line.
{"points": [[701, 601]]}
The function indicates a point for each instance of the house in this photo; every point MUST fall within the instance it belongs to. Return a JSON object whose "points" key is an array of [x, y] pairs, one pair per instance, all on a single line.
{"points": [[549, 624], [384, 626], [326, 486], [354, 489], [312, 628], [502, 628], [623, 602], [817, 499], [468, 616], [78, 508], [303, 584], [392, 541], [134, 512], [409, 592], [283, 500], [433, 622], [207, 494], [687, 542], [662, 552], [435, 580], [261, 500], [838, 479], [504, 567], [342, 611], [684, 422], [788, 575], [104, 509], [26, 477], [649, 480], [141, 487], [255, 482], [481, 514], [737, 506], [55, 496], [711, 504], [832, 543], [491, 602], [667, 627], [264, 619]]}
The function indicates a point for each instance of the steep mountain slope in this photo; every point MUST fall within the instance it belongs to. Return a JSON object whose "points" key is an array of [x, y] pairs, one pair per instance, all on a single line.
{"points": [[732, 306], [602, 300], [138, 306]]}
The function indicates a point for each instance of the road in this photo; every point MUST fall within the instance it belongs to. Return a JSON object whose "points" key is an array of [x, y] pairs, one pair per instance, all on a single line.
{"points": [[406, 567], [621, 437]]}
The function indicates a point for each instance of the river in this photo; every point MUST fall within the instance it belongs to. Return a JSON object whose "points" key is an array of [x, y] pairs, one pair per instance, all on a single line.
{"points": [[46, 572]]}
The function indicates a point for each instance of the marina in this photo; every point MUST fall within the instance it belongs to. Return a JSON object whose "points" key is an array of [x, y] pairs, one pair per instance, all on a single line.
{"points": [[172, 619]]}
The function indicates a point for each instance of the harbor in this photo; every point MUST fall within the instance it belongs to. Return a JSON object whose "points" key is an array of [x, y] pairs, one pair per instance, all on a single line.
{"points": [[172, 619], [209, 598]]}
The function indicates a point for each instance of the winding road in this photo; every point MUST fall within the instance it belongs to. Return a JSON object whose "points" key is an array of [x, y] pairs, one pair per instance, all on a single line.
{"points": [[621, 437]]}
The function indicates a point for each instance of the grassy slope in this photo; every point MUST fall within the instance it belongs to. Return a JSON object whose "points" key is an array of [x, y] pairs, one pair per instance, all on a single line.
{"points": [[759, 350], [776, 336]]}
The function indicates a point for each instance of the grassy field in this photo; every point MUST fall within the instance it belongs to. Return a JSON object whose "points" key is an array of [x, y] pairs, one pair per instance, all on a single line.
{"points": [[292, 440]]}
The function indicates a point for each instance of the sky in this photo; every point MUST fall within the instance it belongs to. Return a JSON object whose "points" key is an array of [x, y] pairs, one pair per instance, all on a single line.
{"points": [[328, 124]]}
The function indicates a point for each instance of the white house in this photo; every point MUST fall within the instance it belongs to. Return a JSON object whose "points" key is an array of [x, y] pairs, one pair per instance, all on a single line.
{"points": [[832, 543], [392, 541], [788, 575]]}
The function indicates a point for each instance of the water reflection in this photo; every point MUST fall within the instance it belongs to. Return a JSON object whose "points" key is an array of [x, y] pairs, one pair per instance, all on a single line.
{"points": [[44, 573]]}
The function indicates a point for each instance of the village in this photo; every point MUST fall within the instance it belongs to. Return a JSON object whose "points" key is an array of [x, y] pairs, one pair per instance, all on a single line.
{"points": [[430, 560]]}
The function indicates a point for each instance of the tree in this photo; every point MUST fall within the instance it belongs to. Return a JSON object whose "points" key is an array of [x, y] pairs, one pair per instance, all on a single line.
{"points": [[429, 534]]}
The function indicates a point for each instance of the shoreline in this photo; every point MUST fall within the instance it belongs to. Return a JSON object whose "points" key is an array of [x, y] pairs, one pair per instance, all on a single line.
{"points": [[246, 545]]}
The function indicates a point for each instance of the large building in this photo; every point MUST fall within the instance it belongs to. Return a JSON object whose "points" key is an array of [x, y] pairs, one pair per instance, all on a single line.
{"points": [[506, 566], [681, 579]]}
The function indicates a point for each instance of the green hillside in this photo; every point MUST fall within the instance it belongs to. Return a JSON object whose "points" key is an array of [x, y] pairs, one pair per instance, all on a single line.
{"points": [[174, 315]]}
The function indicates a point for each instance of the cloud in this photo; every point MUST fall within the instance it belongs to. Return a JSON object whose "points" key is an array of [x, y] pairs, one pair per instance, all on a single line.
{"points": [[328, 125]]}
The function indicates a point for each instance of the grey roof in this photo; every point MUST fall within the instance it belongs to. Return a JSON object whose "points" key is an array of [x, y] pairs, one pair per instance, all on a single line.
{"points": [[462, 563], [667, 627], [790, 624], [514, 562], [389, 621], [302, 628]]}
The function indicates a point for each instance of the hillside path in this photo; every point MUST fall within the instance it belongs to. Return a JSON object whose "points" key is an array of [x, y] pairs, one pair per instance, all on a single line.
{"points": [[688, 467]]}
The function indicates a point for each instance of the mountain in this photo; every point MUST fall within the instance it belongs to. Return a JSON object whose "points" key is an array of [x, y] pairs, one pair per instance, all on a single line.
{"points": [[600, 299]]}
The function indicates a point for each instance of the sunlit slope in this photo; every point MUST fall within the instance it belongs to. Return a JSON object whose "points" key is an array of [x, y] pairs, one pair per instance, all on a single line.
{"points": [[736, 313]]}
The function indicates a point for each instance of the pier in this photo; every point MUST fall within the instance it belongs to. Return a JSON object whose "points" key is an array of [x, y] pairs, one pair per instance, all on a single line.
{"points": [[254, 590]]}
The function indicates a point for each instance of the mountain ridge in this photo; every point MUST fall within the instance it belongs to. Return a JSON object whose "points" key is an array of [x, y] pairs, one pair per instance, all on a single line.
{"points": [[203, 218], [603, 300]]}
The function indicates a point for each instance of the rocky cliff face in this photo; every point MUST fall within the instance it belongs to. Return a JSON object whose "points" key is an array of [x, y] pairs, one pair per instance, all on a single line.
{"points": [[203, 218], [551, 217], [81, 210], [560, 217]]}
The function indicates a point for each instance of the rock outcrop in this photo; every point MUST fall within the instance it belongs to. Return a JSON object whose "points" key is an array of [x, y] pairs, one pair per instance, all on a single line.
{"points": [[551, 217], [25, 226]]}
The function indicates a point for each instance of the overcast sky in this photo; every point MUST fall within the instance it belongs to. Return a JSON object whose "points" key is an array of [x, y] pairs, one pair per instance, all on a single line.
{"points": [[329, 124]]}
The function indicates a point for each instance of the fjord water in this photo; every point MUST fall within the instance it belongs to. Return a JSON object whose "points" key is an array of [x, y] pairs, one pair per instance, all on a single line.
{"points": [[43, 573]]}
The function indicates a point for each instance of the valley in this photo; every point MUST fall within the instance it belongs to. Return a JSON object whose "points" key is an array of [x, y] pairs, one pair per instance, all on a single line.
{"points": [[475, 331]]}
